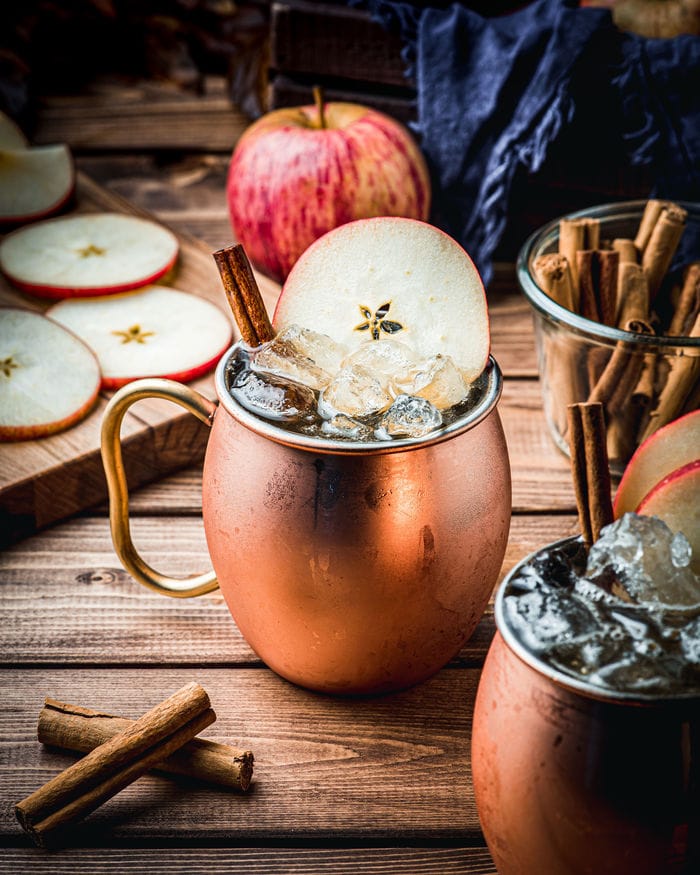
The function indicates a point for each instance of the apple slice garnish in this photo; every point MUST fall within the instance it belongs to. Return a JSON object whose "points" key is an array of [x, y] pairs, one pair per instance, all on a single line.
{"points": [[676, 500], [391, 277], [87, 255], [49, 379], [151, 332], [34, 182], [11, 136], [671, 447]]}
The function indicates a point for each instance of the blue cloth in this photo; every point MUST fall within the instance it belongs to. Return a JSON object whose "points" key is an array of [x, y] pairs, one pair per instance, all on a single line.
{"points": [[494, 95]]}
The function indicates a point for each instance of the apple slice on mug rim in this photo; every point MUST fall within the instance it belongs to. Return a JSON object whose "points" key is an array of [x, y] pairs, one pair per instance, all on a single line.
{"points": [[49, 379], [34, 182], [387, 277], [87, 255], [150, 332]]}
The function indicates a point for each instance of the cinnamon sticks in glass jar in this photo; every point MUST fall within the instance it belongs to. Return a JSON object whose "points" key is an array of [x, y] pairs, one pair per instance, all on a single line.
{"points": [[636, 351]]}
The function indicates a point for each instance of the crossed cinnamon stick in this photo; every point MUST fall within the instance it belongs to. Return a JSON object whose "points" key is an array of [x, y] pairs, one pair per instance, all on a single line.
{"points": [[117, 760]]}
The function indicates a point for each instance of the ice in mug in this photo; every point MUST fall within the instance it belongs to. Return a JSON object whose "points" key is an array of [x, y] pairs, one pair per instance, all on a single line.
{"points": [[625, 617], [309, 383]]}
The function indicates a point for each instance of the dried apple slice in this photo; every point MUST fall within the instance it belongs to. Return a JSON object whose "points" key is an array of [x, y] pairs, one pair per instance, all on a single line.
{"points": [[676, 500], [34, 182], [391, 277], [49, 379], [87, 255], [152, 332], [671, 447]]}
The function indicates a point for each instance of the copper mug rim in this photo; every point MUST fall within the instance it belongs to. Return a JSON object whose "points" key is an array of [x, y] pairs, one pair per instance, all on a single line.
{"points": [[491, 376], [561, 678]]}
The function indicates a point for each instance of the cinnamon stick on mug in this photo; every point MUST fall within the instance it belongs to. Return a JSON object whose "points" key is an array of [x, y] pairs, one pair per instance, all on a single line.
{"points": [[81, 729], [589, 469], [243, 295], [106, 770]]}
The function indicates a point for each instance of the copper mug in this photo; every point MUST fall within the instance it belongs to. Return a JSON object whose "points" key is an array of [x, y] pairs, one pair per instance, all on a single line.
{"points": [[574, 780], [348, 567]]}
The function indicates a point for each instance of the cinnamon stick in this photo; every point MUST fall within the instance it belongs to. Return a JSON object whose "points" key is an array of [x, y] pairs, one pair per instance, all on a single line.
{"points": [[627, 250], [589, 468], [632, 295], [662, 245], [574, 235], [650, 216], [688, 304], [81, 729], [597, 272], [554, 275], [243, 295], [107, 769], [682, 377]]}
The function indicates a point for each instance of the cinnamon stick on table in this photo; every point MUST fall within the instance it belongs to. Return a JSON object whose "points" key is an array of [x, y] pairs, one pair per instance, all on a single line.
{"points": [[243, 295], [81, 729], [589, 468], [106, 770]]}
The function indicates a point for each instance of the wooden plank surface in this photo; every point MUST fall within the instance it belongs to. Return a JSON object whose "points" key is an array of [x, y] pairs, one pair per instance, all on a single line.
{"points": [[109, 115], [64, 598], [326, 769], [252, 861]]}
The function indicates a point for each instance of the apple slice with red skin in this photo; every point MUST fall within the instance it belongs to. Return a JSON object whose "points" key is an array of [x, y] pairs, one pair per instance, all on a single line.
{"points": [[150, 332], [676, 500], [87, 255], [34, 182], [391, 278], [671, 447], [49, 379]]}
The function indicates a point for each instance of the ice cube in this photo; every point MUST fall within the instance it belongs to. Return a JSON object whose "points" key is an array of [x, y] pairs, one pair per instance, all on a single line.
{"points": [[355, 392], [649, 562], [438, 379], [341, 426], [544, 618], [390, 357], [409, 417], [320, 348], [282, 358], [273, 397]]}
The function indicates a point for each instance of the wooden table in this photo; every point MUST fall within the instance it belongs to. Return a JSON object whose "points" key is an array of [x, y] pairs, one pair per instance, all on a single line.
{"points": [[340, 785]]}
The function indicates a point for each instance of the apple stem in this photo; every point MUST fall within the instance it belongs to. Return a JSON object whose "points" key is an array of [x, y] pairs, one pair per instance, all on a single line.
{"points": [[318, 99]]}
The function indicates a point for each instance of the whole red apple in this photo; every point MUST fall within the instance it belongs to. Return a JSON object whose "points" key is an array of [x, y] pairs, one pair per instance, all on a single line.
{"points": [[297, 173]]}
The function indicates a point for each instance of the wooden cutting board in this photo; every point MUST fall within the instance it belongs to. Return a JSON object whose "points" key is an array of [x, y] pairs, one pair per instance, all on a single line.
{"points": [[43, 481]]}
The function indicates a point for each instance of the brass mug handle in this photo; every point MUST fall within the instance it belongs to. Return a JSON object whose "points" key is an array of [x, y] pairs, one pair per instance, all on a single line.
{"points": [[203, 409]]}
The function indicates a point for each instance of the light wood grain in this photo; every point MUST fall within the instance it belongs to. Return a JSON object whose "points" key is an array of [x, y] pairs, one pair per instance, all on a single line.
{"points": [[388, 768], [251, 861], [64, 597], [110, 115]]}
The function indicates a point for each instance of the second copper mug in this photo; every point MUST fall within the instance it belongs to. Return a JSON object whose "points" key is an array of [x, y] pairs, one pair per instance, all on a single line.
{"points": [[348, 567], [571, 779]]}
